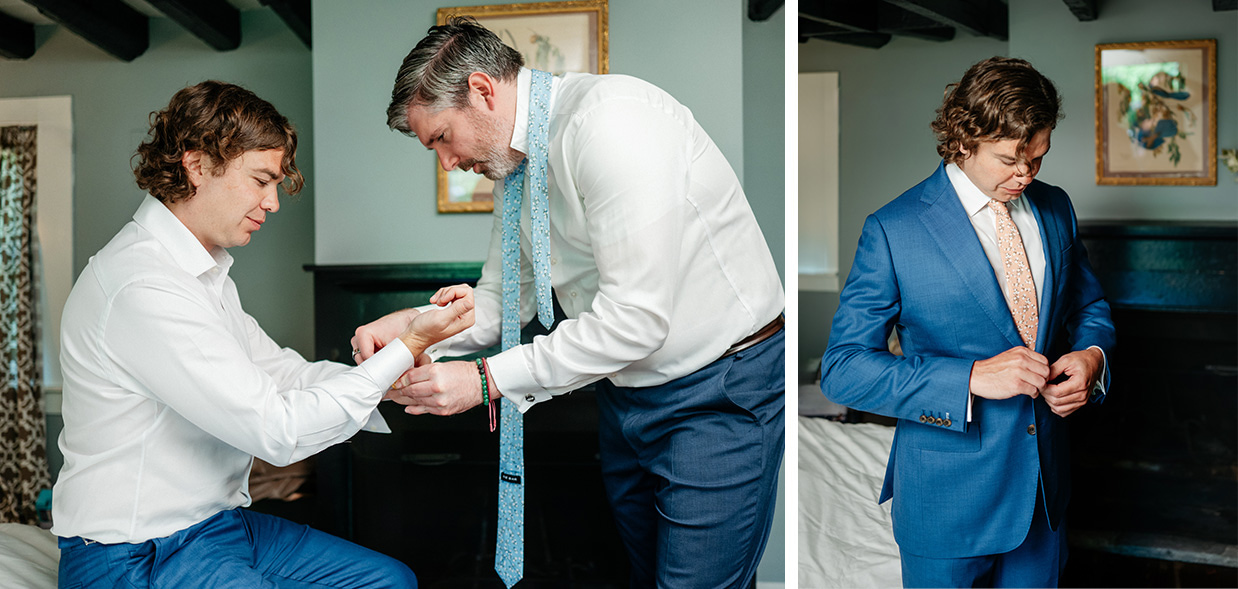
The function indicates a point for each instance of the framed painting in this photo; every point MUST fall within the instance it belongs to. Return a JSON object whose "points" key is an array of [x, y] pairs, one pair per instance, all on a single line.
{"points": [[556, 37], [1156, 113]]}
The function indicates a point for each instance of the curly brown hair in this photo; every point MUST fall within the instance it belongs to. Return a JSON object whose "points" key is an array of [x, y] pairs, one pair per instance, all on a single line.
{"points": [[998, 98], [221, 120]]}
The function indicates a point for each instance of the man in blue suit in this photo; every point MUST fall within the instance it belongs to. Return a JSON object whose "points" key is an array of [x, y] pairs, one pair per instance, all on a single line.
{"points": [[1003, 330]]}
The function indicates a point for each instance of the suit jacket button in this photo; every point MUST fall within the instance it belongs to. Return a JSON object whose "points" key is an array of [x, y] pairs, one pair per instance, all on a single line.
{"points": [[937, 421], [1031, 430], [946, 423], [923, 418]]}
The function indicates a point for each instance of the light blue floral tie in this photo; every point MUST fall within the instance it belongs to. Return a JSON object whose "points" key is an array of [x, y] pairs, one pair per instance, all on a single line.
{"points": [[509, 552]]}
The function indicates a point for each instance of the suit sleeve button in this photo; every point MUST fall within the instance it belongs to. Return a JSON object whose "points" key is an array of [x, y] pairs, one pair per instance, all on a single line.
{"points": [[1031, 430], [946, 423], [937, 421], [923, 418]]}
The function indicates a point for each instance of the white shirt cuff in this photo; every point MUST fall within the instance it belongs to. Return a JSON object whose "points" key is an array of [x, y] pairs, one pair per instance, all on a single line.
{"points": [[514, 380], [1099, 387]]}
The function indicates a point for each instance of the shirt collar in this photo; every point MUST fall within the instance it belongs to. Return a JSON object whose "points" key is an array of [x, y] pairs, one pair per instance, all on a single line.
{"points": [[185, 249], [524, 85], [973, 200]]}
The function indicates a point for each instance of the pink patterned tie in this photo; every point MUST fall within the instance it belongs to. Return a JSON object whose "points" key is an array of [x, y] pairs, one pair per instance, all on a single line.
{"points": [[1022, 292]]}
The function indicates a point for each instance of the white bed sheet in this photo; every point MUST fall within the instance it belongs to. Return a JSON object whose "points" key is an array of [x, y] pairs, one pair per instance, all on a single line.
{"points": [[845, 537], [29, 557]]}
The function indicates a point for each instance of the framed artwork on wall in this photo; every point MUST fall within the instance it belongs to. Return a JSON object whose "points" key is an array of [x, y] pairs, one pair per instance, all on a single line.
{"points": [[1156, 113], [557, 37]]}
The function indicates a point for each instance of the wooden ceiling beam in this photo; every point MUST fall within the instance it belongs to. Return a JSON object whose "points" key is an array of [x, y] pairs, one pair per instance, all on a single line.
{"points": [[989, 20], [296, 14], [811, 29], [869, 40], [214, 21], [16, 38], [1084, 10], [897, 21], [761, 10], [110, 25], [852, 16]]}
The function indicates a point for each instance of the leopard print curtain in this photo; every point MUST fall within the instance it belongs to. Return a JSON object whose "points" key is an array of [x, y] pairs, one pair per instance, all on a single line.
{"points": [[23, 452]]}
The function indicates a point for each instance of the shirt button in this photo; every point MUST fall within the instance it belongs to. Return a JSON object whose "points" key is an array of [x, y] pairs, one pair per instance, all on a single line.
{"points": [[554, 261], [573, 294], [1031, 430]]}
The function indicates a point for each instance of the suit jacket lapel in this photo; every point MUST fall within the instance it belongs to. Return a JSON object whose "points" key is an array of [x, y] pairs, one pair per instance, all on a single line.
{"points": [[944, 219], [1050, 236]]}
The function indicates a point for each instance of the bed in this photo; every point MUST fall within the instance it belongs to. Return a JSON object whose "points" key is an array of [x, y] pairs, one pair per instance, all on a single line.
{"points": [[845, 537], [29, 557]]}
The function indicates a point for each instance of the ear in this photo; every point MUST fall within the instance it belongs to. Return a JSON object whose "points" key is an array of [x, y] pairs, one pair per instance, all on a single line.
{"points": [[194, 166], [481, 90]]}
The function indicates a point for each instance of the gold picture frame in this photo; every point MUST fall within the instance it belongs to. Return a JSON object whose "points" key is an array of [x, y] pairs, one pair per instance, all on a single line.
{"points": [[1156, 113], [583, 27]]}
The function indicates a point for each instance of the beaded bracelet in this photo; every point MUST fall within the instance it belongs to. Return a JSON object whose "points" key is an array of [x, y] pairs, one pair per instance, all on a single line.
{"points": [[485, 388]]}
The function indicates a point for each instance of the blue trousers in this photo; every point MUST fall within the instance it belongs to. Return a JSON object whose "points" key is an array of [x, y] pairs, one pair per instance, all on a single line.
{"points": [[236, 548], [1037, 562], [691, 468]]}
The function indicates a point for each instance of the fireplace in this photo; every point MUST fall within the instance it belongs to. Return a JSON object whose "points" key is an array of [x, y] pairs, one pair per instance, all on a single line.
{"points": [[426, 493], [1155, 467]]}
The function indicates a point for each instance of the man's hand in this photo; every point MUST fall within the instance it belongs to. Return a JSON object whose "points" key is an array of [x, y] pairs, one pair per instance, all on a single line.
{"points": [[1017, 371], [437, 325], [1082, 369], [372, 336], [443, 388]]}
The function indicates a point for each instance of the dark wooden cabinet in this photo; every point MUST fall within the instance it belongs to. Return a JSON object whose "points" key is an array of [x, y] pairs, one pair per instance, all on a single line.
{"points": [[426, 493]]}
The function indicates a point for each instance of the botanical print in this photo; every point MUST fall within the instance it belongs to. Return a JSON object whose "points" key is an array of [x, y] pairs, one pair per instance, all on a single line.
{"points": [[1156, 112], [1152, 100]]}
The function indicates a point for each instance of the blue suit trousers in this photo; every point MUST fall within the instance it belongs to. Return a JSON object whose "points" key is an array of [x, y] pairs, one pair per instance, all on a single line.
{"points": [[236, 549], [691, 468]]}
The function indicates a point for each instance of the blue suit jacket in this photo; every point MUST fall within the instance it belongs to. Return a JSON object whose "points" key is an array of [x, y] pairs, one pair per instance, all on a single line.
{"points": [[960, 489]]}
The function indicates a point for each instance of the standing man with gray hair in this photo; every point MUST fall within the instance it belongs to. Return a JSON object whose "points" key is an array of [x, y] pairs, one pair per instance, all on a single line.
{"points": [[635, 220]]}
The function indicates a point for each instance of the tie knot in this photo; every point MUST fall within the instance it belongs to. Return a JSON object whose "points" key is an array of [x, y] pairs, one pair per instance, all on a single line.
{"points": [[999, 207]]}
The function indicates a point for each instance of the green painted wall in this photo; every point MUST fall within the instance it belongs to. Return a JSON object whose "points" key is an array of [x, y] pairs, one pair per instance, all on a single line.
{"points": [[1068, 61], [376, 188], [112, 100]]}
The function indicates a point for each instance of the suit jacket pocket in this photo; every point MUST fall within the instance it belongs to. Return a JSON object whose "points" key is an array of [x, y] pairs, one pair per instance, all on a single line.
{"points": [[929, 437]]}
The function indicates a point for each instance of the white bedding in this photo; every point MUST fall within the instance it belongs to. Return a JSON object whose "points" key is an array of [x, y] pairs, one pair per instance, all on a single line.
{"points": [[29, 557], [845, 537]]}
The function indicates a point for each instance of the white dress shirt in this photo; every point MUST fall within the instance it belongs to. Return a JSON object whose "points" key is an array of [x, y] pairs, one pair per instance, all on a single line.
{"points": [[656, 257], [170, 389], [984, 221]]}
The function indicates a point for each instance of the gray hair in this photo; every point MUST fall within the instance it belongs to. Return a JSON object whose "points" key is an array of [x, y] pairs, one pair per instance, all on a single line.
{"points": [[435, 74]]}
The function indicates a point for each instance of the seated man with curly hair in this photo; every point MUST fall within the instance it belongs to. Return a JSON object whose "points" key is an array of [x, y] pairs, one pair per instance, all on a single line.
{"points": [[171, 389]]}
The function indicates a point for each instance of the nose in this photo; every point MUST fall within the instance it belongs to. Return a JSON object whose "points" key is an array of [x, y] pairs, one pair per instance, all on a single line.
{"points": [[270, 203], [446, 160]]}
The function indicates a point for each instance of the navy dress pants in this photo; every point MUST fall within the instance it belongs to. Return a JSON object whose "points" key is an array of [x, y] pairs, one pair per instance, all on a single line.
{"points": [[691, 468], [236, 548]]}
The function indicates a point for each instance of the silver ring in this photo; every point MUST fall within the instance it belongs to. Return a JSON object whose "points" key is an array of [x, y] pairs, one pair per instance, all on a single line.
{"points": [[355, 351]]}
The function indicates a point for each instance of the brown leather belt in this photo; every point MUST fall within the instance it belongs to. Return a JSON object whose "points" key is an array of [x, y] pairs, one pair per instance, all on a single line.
{"points": [[761, 335]]}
